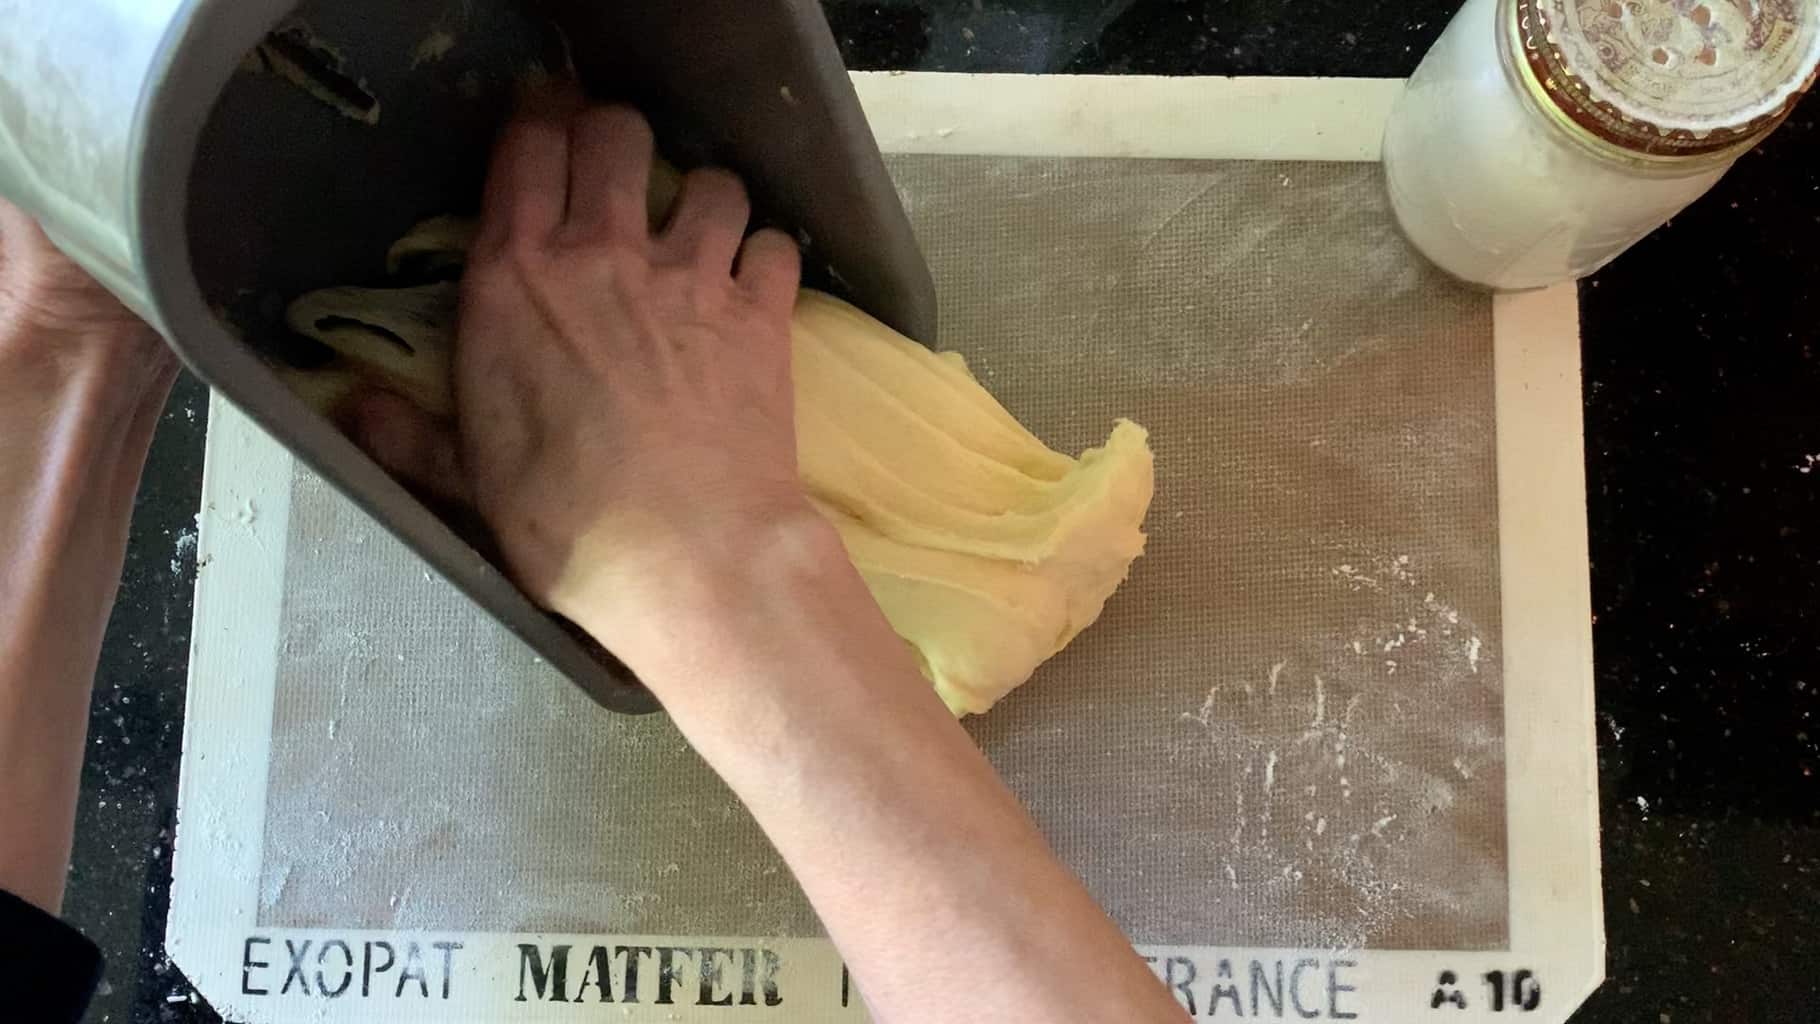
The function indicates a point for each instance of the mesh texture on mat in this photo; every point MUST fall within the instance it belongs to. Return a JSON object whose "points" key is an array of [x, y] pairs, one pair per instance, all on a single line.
{"points": [[1287, 730]]}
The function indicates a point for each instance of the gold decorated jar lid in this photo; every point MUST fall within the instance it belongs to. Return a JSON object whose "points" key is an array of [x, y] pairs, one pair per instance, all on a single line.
{"points": [[1668, 78]]}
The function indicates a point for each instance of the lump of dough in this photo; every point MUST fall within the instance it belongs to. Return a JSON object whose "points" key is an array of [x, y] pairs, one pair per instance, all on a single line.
{"points": [[399, 339], [987, 551]]}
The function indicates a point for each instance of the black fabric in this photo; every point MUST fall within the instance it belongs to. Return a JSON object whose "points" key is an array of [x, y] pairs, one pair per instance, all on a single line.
{"points": [[48, 970]]}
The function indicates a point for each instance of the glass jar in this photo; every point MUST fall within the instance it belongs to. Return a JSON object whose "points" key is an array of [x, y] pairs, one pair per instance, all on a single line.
{"points": [[1541, 138]]}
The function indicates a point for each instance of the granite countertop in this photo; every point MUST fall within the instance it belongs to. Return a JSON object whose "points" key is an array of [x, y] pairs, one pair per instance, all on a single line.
{"points": [[1702, 389]]}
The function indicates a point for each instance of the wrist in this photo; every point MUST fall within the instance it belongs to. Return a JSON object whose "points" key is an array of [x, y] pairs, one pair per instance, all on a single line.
{"points": [[774, 660], [119, 357], [112, 370], [76, 421], [674, 599]]}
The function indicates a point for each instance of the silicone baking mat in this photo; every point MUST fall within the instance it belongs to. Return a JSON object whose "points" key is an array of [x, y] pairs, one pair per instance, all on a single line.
{"points": [[1292, 760]]}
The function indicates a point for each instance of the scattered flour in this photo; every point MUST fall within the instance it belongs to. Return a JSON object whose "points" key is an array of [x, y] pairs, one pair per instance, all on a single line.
{"points": [[1361, 785], [435, 46], [186, 550]]}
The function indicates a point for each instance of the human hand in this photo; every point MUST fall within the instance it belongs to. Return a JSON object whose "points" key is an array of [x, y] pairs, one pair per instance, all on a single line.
{"points": [[45, 298], [623, 398]]}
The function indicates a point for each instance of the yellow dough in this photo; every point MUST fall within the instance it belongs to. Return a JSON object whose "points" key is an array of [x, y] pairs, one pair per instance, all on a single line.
{"points": [[987, 550]]}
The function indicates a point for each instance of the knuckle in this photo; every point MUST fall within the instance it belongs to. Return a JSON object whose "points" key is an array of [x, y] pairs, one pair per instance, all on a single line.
{"points": [[721, 186], [513, 270], [776, 252], [540, 130], [487, 277], [527, 257], [673, 279], [712, 299], [624, 264], [617, 120]]}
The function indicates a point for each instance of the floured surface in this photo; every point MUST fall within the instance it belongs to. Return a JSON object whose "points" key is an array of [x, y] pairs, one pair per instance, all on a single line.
{"points": [[1359, 645], [1286, 731], [1295, 705], [428, 773]]}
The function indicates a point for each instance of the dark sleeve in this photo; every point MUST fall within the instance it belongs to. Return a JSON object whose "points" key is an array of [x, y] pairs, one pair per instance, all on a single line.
{"points": [[47, 969]]}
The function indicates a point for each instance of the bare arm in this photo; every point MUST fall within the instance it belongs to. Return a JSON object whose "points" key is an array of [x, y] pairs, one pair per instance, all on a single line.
{"points": [[626, 422], [81, 386], [927, 872]]}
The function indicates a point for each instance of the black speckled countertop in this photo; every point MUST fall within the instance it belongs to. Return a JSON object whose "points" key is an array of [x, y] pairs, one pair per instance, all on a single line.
{"points": [[1702, 386]]}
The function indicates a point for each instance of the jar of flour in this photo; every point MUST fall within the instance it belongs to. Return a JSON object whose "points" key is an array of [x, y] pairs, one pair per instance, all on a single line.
{"points": [[1541, 138]]}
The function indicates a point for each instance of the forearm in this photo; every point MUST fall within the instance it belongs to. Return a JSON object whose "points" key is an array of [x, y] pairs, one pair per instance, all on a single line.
{"points": [[76, 417], [918, 859]]}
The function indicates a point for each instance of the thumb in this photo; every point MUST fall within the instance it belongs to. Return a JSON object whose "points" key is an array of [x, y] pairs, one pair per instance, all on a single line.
{"points": [[415, 447]]}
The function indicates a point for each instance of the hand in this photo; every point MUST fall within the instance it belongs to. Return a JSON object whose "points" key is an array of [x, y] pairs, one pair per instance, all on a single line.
{"points": [[623, 399], [626, 426], [44, 297]]}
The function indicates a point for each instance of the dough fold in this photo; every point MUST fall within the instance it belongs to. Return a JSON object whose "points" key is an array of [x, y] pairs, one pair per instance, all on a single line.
{"points": [[987, 550]]}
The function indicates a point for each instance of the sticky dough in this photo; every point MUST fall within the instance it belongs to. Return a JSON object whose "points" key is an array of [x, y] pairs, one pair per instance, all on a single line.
{"points": [[987, 550]]}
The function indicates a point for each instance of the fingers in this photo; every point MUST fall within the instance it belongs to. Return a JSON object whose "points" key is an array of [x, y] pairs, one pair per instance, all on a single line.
{"points": [[562, 166], [527, 191], [408, 443], [770, 268], [709, 222], [610, 173]]}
